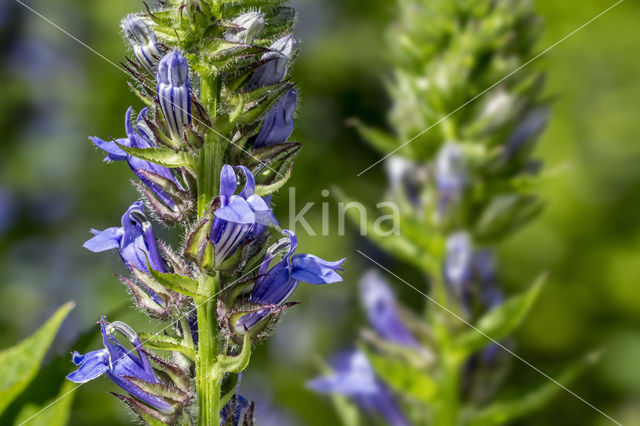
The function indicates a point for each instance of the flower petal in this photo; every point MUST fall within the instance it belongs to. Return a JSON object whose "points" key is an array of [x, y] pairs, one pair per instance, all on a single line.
{"points": [[228, 182], [250, 183], [92, 365], [114, 152], [108, 239], [237, 210], [314, 270]]}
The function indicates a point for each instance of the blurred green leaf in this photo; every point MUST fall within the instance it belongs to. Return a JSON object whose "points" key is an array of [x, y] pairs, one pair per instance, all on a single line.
{"points": [[404, 378], [19, 364], [54, 412], [384, 142], [508, 408], [501, 321]]}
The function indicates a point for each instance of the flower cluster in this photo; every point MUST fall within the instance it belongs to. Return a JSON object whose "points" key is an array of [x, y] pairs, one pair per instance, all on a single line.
{"points": [[207, 151], [460, 168]]}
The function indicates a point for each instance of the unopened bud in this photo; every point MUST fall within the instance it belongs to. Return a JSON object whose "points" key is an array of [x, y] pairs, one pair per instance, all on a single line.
{"points": [[277, 65], [174, 92], [143, 42], [248, 26]]}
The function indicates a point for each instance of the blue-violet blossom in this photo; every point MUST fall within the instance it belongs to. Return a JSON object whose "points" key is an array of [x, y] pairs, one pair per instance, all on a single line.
{"points": [[382, 310], [240, 217], [274, 285], [139, 137], [134, 240], [354, 377], [119, 364]]}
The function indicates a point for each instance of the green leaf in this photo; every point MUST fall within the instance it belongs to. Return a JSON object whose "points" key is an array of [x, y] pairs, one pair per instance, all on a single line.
{"points": [[163, 156], [501, 321], [166, 343], [263, 190], [404, 378], [19, 364], [178, 283], [382, 141], [236, 364], [506, 409], [54, 412]]}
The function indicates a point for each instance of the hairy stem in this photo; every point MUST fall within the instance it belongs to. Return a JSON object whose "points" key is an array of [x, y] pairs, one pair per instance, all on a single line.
{"points": [[207, 383]]}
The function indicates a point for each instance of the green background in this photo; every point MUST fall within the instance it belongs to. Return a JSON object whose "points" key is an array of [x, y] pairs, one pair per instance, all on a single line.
{"points": [[53, 187]]}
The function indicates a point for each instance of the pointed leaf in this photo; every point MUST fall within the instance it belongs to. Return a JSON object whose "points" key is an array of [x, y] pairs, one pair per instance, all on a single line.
{"points": [[19, 364], [163, 156], [263, 190], [166, 343], [236, 364], [382, 141], [404, 378], [54, 412], [507, 409], [500, 322], [178, 283]]}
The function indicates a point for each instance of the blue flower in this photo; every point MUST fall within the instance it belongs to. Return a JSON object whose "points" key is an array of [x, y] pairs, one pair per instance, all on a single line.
{"points": [[274, 285], [134, 240], [276, 63], [240, 217], [525, 132], [119, 364], [139, 137], [241, 410], [451, 176], [458, 264], [354, 377], [278, 123], [382, 311], [174, 92], [143, 42]]}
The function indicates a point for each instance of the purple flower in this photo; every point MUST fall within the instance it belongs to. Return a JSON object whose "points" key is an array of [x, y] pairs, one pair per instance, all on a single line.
{"points": [[530, 127], [278, 123], [276, 63], [143, 42], [404, 178], [382, 311], [451, 176], [238, 407], [458, 264], [119, 364], [174, 92], [134, 240], [139, 137], [240, 217], [274, 285], [354, 377]]}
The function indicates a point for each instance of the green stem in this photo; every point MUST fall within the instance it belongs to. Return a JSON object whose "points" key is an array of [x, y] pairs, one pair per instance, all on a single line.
{"points": [[210, 161], [208, 382]]}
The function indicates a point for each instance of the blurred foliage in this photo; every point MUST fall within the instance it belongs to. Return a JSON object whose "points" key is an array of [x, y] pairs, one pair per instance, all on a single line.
{"points": [[55, 93]]}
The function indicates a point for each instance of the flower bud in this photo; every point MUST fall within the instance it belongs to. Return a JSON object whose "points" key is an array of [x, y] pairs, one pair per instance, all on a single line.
{"points": [[451, 176], [458, 265], [276, 62], [143, 42], [278, 123], [248, 25], [174, 92]]}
